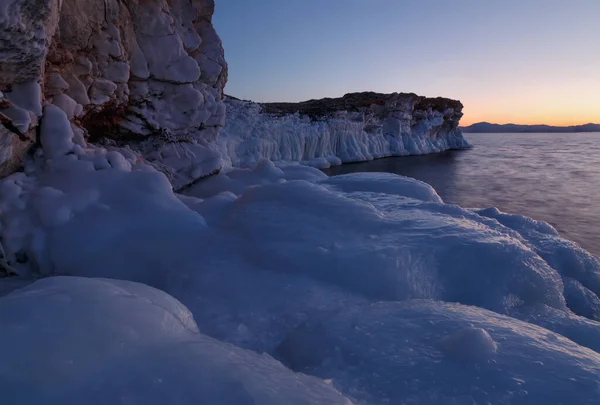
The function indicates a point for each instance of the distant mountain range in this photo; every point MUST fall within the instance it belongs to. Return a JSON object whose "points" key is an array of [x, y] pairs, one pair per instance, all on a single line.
{"points": [[486, 127]]}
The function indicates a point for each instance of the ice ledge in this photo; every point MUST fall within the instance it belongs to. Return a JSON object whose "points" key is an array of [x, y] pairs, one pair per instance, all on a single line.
{"points": [[331, 131]]}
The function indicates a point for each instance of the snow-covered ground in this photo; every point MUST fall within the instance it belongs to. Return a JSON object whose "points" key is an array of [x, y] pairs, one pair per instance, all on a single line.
{"points": [[280, 285], [250, 135]]}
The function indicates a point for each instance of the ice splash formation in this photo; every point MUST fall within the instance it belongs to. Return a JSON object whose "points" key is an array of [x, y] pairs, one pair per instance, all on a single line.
{"points": [[278, 284], [332, 131]]}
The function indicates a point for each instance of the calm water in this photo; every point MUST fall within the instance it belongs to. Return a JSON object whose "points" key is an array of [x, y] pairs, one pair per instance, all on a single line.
{"points": [[550, 177]]}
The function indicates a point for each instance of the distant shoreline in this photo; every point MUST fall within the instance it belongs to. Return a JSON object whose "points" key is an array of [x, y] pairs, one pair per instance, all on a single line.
{"points": [[486, 127]]}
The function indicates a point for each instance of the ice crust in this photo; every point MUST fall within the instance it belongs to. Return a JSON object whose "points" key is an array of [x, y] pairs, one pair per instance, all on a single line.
{"points": [[277, 284]]}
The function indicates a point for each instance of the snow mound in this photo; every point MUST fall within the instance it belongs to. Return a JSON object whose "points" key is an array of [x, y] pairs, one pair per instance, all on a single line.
{"points": [[55, 122], [238, 302], [416, 250], [468, 344], [422, 352], [266, 172], [69, 219], [580, 300], [136, 217], [583, 331], [89, 211], [237, 180], [567, 257], [385, 183], [97, 341]]}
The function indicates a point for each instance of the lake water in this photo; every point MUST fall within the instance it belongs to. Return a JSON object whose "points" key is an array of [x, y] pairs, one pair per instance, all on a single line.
{"points": [[550, 177]]}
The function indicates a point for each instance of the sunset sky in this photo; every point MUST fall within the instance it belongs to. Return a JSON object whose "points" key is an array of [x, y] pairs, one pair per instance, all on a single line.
{"points": [[521, 61]]}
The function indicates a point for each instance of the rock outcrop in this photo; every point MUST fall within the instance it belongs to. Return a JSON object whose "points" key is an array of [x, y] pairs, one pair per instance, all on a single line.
{"points": [[144, 73], [331, 131]]}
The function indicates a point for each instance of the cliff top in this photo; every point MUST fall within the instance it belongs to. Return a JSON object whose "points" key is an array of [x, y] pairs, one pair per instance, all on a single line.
{"points": [[356, 101]]}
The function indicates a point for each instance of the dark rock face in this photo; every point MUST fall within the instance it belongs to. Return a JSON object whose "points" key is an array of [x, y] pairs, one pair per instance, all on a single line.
{"points": [[354, 102], [406, 111]]}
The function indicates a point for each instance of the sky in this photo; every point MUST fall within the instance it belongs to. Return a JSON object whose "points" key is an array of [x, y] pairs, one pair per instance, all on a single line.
{"points": [[519, 61]]}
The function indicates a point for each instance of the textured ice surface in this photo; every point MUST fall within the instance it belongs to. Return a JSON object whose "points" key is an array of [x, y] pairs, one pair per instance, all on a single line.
{"points": [[427, 352], [250, 135], [404, 248], [74, 340], [360, 280], [574, 263]]}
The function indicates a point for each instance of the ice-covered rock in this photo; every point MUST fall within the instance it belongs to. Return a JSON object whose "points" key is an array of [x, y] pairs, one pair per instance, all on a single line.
{"points": [[20, 107], [321, 272], [56, 134], [98, 341], [356, 127], [131, 71], [150, 74]]}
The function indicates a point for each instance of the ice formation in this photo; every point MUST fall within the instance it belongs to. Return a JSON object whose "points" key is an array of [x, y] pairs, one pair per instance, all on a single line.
{"points": [[425, 352], [356, 127], [269, 283], [140, 346], [146, 74], [360, 288], [149, 75]]}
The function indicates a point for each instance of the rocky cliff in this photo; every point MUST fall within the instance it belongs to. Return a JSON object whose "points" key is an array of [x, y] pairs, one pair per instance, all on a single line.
{"points": [[331, 131], [148, 74]]}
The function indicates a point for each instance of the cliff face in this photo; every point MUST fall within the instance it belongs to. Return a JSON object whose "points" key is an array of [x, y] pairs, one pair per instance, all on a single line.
{"points": [[331, 131], [149, 74]]}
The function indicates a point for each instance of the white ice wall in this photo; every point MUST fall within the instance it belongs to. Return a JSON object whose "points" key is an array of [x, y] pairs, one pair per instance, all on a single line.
{"points": [[250, 135]]}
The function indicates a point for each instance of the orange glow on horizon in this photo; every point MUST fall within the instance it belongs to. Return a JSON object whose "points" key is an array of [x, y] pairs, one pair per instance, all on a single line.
{"points": [[551, 105], [469, 119]]}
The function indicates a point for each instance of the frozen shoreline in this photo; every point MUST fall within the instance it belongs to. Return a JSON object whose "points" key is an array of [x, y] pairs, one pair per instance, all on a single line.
{"points": [[369, 283], [269, 283]]}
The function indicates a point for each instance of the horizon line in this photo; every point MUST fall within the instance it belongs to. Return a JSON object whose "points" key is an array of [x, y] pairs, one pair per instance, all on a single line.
{"points": [[531, 125]]}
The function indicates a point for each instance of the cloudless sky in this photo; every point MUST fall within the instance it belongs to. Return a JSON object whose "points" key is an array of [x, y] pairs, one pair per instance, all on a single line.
{"points": [[522, 61]]}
